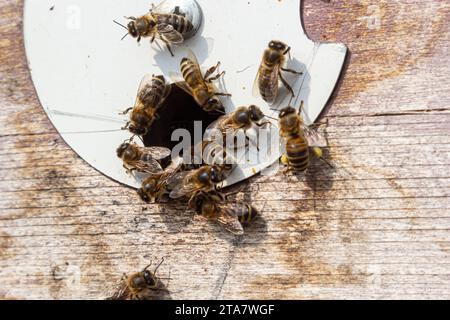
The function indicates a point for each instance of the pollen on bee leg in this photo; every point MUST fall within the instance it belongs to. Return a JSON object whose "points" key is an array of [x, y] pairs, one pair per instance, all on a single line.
{"points": [[284, 160], [318, 152]]}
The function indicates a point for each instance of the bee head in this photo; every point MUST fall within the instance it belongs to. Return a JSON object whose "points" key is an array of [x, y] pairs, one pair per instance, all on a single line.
{"points": [[143, 195], [137, 129], [204, 177], [278, 45], [287, 111], [138, 281], [213, 104], [243, 115], [148, 187], [255, 113], [216, 174], [132, 30], [149, 278], [122, 148]]}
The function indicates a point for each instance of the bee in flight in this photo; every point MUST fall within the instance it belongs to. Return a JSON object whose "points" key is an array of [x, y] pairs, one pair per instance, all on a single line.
{"points": [[152, 93], [190, 183], [299, 139], [234, 217], [142, 159], [155, 186], [170, 28], [269, 72], [138, 286], [200, 86]]}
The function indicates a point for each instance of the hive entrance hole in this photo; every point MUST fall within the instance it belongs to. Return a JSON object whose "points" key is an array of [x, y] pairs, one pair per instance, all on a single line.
{"points": [[179, 110]]}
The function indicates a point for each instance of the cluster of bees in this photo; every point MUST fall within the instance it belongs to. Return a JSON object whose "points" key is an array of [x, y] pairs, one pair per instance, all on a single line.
{"points": [[198, 184]]}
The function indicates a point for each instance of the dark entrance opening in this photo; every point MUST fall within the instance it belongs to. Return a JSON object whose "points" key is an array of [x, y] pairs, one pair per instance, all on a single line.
{"points": [[178, 111]]}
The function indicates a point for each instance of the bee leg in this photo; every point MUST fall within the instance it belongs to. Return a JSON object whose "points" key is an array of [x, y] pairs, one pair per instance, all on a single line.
{"points": [[284, 161], [319, 154], [126, 111], [288, 51], [222, 94], [211, 70], [291, 71], [168, 47], [126, 126], [130, 18], [262, 124], [216, 77], [286, 84]]}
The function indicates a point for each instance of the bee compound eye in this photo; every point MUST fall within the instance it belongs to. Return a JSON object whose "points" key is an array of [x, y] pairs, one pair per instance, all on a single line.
{"points": [[149, 279]]}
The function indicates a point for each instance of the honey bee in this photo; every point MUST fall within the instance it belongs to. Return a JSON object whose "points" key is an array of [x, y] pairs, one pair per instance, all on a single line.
{"points": [[242, 118], [299, 139], [142, 159], [234, 217], [138, 286], [269, 73], [200, 86], [170, 28], [155, 186], [152, 93], [190, 183]]}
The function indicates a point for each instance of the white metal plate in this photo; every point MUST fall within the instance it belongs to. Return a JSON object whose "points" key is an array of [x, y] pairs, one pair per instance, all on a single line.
{"points": [[84, 75]]}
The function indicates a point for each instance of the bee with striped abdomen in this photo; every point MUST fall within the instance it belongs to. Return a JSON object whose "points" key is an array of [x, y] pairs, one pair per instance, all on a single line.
{"points": [[155, 186], [241, 119], [142, 159], [170, 28], [234, 217], [190, 183], [152, 93], [200, 86], [138, 286], [269, 72], [299, 139]]}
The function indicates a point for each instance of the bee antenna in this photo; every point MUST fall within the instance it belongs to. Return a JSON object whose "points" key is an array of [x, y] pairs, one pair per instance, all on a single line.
{"points": [[126, 34], [271, 118], [145, 269], [157, 267], [118, 23], [300, 109]]}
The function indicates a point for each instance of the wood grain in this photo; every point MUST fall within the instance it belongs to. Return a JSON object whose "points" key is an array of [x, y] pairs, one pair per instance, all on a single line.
{"points": [[376, 227]]}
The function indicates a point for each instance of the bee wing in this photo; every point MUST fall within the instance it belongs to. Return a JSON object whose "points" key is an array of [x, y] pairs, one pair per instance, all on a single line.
{"points": [[147, 89], [157, 153], [150, 166], [146, 82], [219, 123], [168, 33], [191, 56], [180, 186], [163, 7], [314, 138], [172, 169], [183, 86], [255, 91], [119, 291], [228, 218]]}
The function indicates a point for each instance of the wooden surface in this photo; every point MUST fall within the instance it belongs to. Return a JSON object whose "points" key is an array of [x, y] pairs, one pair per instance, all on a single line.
{"points": [[378, 227]]}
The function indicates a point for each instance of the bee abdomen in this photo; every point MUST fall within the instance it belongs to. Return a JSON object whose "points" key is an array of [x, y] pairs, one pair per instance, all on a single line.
{"points": [[179, 23], [267, 86], [297, 152], [246, 214], [189, 72]]}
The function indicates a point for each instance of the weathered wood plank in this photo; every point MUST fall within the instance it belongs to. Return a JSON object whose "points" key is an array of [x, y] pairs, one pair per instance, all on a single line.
{"points": [[375, 227]]}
